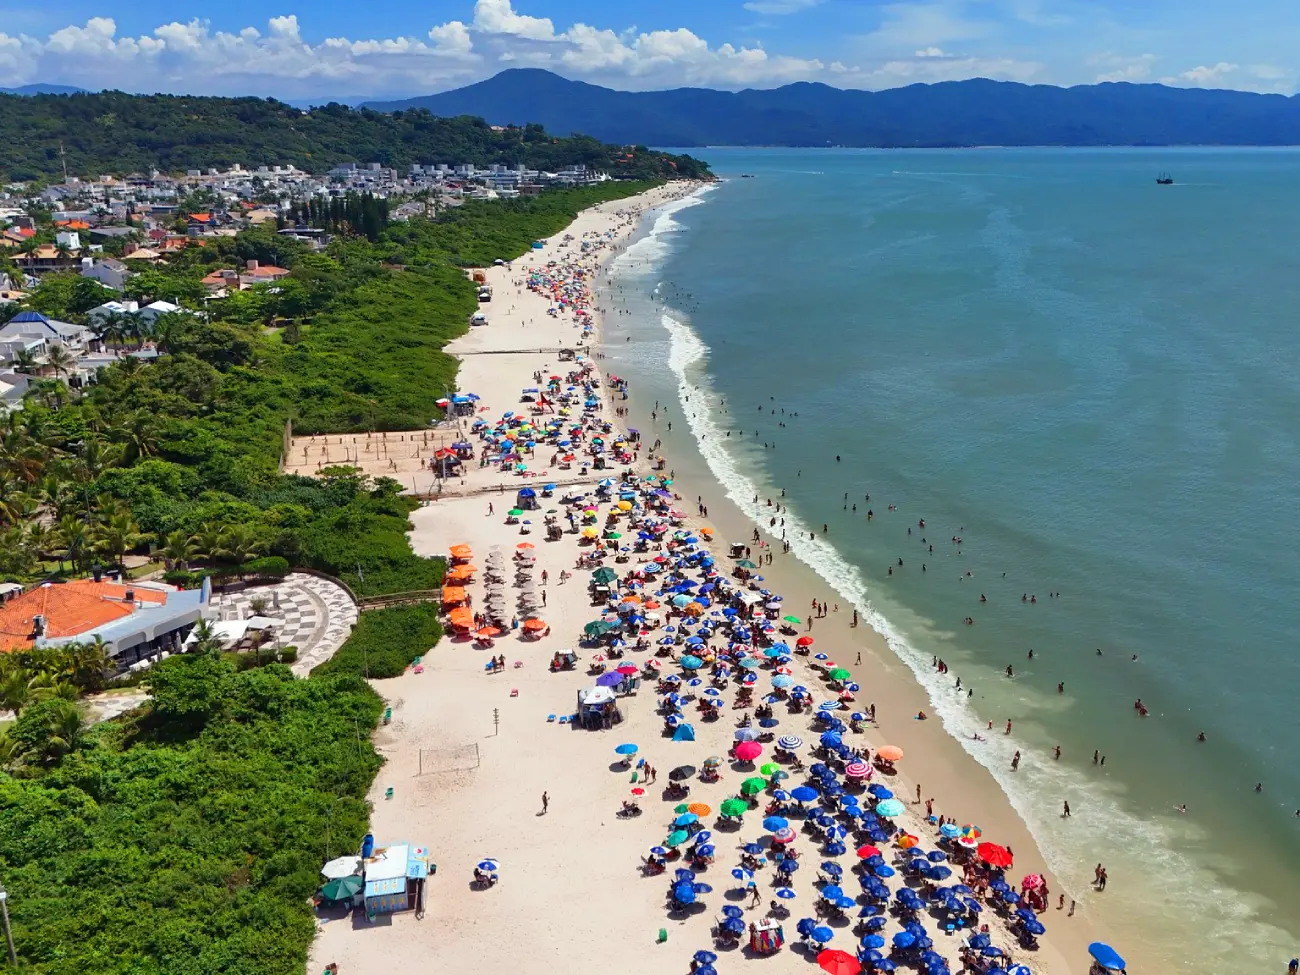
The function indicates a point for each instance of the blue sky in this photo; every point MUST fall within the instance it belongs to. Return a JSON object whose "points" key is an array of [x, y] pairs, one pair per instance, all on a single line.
{"points": [[329, 48]]}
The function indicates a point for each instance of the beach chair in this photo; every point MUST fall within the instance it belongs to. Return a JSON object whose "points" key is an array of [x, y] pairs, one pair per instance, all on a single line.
{"points": [[514, 692], [388, 793], [550, 719], [564, 719]]}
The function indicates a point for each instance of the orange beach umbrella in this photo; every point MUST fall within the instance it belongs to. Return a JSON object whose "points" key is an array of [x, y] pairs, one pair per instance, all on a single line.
{"points": [[534, 624], [890, 753]]}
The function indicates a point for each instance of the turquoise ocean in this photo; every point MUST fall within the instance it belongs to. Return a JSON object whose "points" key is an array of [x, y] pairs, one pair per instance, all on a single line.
{"points": [[1094, 382]]}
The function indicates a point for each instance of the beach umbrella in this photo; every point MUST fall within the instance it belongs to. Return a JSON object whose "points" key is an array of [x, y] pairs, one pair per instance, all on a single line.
{"points": [[732, 925], [705, 957], [734, 807], [699, 809], [1019, 970], [677, 838], [803, 794], [857, 770], [830, 739], [936, 856], [994, 855], [884, 870], [806, 926], [773, 823], [790, 742], [747, 751], [1035, 928], [839, 673], [1031, 882], [867, 852], [684, 894], [488, 866], [686, 819], [741, 874], [745, 734], [822, 934], [872, 941], [787, 835], [341, 888], [681, 773], [885, 965], [691, 663], [970, 829], [1106, 956], [792, 619], [752, 786], [832, 892], [832, 868], [904, 939], [659, 851], [889, 808], [785, 893], [889, 753], [345, 866], [788, 866], [682, 874], [879, 791]]}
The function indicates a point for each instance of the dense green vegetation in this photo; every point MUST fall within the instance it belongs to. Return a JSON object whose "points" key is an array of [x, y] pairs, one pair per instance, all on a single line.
{"points": [[386, 641], [116, 133], [186, 839]]}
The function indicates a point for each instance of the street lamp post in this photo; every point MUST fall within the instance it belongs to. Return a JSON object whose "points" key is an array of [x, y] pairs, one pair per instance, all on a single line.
{"points": [[9, 937]]}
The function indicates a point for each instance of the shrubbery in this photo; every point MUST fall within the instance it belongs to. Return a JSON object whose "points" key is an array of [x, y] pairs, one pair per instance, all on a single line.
{"points": [[386, 641]]}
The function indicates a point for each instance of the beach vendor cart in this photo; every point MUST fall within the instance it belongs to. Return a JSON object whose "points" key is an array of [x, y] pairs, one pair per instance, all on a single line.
{"points": [[766, 937]]}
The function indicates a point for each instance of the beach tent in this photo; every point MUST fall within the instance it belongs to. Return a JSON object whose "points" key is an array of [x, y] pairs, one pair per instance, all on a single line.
{"points": [[684, 732]]}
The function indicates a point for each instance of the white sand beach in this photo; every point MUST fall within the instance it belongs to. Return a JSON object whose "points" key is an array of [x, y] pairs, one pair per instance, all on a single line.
{"points": [[469, 753]]}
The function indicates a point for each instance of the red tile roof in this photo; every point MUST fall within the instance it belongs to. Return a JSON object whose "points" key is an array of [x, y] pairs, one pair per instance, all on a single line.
{"points": [[69, 609]]}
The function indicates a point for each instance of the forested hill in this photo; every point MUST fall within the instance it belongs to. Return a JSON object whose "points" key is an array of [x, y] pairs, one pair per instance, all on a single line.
{"points": [[116, 133], [976, 112]]}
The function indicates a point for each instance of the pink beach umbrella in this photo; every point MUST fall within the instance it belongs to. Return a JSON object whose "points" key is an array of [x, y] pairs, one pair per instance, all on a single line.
{"points": [[747, 751], [857, 770]]}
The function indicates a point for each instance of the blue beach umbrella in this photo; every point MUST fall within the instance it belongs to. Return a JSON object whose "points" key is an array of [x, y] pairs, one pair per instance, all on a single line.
{"points": [[731, 910], [628, 749], [1106, 956], [904, 939], [872, 941], [741, 874], [705, 957], [822, 934], [1035, 928], [785, 893], [803, 794], [774, 823]]}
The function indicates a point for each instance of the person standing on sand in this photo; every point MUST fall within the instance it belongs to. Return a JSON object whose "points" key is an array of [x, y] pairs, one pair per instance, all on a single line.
{"points": [[1065, 812], [546, 802], [918, 793]]}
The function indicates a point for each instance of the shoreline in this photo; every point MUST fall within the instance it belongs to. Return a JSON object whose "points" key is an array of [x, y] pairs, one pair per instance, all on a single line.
{"points": [[468, 810], [966, 785]]}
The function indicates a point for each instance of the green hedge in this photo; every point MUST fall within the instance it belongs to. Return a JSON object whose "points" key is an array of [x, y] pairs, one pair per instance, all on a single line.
{"points": [[385, 641]]}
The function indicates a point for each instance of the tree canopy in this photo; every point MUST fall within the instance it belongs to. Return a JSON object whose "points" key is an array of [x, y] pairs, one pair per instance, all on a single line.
{"points": [[116, 133]]}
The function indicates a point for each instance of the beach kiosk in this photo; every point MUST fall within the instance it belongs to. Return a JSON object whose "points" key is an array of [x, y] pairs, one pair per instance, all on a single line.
{"points": [[766, 936], [394, 876], [597, 708]]}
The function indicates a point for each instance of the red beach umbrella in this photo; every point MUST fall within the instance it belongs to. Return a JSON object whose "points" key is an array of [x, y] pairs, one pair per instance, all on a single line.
{"points": [[804, 641], [867, 851], [838, 962], [994, 855], [747, 751]]}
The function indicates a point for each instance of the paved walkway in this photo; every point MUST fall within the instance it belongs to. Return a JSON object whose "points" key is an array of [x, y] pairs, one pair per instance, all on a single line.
{"points": [[318, 617]]}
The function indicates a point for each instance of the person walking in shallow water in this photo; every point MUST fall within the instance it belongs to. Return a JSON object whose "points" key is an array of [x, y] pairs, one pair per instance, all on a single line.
{"points": [[1065, 812]]}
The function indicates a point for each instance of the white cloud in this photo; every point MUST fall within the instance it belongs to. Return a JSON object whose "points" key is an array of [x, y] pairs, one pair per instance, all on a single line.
{"points": [[931, 52], [451, 38], [1118, 67], [499, 17], [920, 25], [1203, 76]]}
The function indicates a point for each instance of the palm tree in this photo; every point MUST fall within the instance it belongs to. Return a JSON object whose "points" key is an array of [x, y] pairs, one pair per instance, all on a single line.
{"points": [[207, 540], [14, 689], [88, 663], [117, 535], [96, 456], [48, 687], [205, 639], [177, 550], [139, 436], [48, 391], [57, 495], [74, 539], [60, 360], [238, 544], [25, 361]]}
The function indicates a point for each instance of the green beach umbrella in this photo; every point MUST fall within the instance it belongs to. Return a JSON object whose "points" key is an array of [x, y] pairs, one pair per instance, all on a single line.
{"points": [[677, 838], [341, 889], [614, 535], [604, 576], [770, 768], [515, 512], [734, 807], [780, 775], [681, 809], [746, 564], [839, 673], [792, 619], [597, 628], [752, 786]]}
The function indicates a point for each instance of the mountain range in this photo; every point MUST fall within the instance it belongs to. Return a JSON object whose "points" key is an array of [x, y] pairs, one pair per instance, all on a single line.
{"points": [[42, 89], [952, 113]]}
